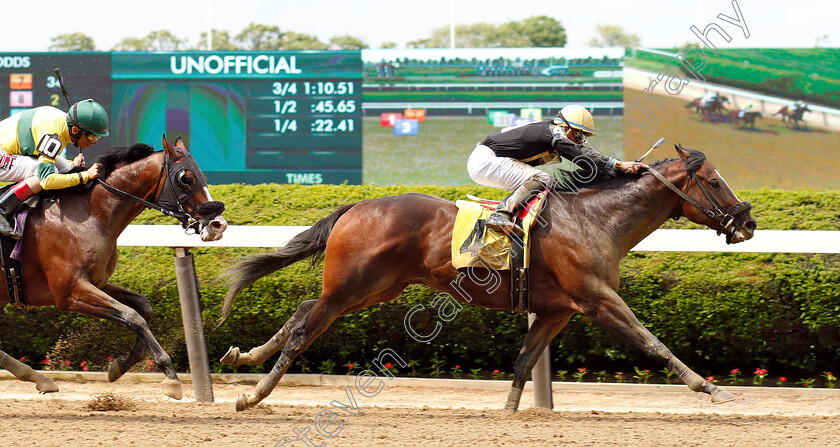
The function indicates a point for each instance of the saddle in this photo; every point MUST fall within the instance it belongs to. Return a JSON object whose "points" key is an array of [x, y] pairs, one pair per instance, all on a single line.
{"points": [[476, 245]]}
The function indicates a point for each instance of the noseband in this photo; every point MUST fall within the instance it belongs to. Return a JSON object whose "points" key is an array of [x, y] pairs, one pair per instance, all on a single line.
{"points": [[188, 222], [726, 219]]}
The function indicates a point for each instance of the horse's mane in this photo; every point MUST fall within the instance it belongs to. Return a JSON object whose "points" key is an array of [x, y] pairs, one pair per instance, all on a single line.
{"points": [[115, 157], [692, 164], [121, 155]]}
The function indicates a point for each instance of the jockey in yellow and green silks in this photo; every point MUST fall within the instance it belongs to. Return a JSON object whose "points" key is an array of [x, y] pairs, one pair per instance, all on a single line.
{"points": [[30, 143]]}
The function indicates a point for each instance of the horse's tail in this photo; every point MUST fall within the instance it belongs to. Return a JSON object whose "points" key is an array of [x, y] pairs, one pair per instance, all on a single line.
{"points": [[782, 111], [691, 104], [311, 243]]}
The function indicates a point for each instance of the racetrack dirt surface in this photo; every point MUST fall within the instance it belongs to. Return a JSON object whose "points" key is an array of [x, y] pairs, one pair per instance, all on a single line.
{"points": [[138, 415]]}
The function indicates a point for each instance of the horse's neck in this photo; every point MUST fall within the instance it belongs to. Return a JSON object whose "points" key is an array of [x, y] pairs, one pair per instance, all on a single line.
{"points": [[138, 179], [640, 207]]}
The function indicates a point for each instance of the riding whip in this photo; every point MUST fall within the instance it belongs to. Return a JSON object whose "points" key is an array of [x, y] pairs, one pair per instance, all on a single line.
{"points": [[655, 145], [61, 84]]}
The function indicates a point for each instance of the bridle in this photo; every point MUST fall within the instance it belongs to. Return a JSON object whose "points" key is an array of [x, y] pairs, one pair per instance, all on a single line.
{"points": [[726, 219], [187, 220]]}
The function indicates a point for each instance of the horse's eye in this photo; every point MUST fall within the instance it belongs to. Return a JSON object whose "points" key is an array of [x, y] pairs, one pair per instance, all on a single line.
{"points": [[715, 184], [184, 179]]}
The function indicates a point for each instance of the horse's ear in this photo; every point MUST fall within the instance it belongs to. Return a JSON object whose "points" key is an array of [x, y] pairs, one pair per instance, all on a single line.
{"points": [[170, 151], [681, 151], [179, 142]]}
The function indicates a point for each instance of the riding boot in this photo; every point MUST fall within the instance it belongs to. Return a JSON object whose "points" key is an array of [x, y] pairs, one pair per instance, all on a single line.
{"points": [[502, 218], [9, 202]]}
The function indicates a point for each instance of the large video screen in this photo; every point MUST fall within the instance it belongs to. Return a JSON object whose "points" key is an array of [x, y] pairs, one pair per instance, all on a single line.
{"points": [[770, 116]]}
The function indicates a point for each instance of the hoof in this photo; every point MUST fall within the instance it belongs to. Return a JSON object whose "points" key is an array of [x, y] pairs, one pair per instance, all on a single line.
{"points": [[508, 412], [721, 396], [241, 403], [46, 386], [114, 371], [231, 356], [172, 388]]}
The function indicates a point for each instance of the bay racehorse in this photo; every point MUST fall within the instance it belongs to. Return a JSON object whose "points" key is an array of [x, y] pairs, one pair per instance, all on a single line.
{"points": [[375, 248], [709, 108], [745, 118], [794, 115], [70, 246]]}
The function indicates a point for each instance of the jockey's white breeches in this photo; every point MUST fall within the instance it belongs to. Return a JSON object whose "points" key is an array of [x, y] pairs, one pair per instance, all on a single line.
{"points": [[488, 169], [18, 167]]}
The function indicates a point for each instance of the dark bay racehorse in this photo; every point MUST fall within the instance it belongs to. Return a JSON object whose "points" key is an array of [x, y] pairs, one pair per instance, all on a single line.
{"points": [[70, 246], [793, 115], [375, 248], [747, 120], [714, 107]]}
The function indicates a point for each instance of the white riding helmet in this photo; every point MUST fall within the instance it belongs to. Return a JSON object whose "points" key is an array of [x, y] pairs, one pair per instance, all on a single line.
{"points": [[577, 117]]}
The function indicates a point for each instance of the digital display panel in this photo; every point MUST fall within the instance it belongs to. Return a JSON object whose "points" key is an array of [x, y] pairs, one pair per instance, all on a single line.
{"points": [[248, 117]]}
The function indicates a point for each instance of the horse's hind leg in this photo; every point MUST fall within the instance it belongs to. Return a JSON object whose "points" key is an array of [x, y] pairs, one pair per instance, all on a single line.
{"points": [[613, 313], [259, 354], [308, 329], [140, 304], [23, 372], [87, 299], [540, 334]]}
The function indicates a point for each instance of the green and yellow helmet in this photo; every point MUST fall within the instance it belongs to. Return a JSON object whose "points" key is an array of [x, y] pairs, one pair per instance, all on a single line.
{"points": [[577, 117], [89, 116]]}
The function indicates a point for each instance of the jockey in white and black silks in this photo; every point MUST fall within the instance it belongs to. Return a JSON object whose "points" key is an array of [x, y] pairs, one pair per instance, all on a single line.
{"points": [[507, 159], [30, 144]]}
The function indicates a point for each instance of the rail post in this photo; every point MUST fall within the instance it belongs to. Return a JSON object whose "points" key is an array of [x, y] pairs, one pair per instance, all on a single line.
{"points": [[193, 325], [541, 376]]}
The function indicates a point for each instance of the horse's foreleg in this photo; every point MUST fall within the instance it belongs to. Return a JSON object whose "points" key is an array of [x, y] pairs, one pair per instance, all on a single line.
{"points": [[540, 334], [260, 354], [613, 313], [23, 372], [140, 304], [87, 299]]}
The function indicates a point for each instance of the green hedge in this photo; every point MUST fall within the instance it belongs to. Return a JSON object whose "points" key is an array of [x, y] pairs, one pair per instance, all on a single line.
{"points": [[715, 311]]}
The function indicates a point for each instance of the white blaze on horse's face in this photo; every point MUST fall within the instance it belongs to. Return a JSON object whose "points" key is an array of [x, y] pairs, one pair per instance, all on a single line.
{"points": [[213, 230], [727, 185]]}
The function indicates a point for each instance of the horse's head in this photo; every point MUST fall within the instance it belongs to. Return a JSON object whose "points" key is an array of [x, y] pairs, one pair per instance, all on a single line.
{"points": [[711, 201], [185, 190]]}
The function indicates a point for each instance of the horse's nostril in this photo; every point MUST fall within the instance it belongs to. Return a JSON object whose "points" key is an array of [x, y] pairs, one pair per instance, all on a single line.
{"points": [[751, 225]]}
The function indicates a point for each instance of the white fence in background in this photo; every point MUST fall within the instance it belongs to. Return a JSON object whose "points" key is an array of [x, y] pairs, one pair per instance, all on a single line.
{"points": [[765, 241]]}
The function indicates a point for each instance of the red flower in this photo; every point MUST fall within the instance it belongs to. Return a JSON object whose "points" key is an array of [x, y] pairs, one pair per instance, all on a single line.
{"points": [[389, 365], [710, 379], [67, 363], [84, 362], [457, 366], [495, 371], [583, 370], [23, 359], [830, 375], [46, 361], [760, 371], [85, 368], [735, 371], [783, 379], [110, 359], [351, 366]]}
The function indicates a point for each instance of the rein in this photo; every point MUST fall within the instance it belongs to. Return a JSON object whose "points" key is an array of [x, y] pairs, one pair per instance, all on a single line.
{"points": [[187, 221], [726, 219]]}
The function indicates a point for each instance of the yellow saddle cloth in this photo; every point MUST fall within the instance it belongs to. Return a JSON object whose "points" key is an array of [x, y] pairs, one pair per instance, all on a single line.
{"points": [[473, 244]]}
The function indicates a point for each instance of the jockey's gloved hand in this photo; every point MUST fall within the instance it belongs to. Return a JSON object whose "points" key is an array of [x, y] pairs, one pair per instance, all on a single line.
{"points": [[630, 167]]}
